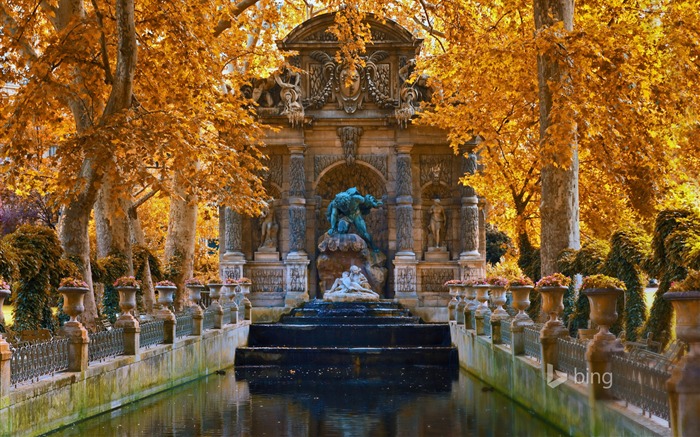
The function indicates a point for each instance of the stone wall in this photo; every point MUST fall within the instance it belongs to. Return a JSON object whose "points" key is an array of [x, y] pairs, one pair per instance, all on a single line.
{"points": [[566, 406], [67, 397]]}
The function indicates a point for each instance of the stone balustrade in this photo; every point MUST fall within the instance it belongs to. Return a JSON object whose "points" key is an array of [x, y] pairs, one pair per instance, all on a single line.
{"points": [[563, 360]]}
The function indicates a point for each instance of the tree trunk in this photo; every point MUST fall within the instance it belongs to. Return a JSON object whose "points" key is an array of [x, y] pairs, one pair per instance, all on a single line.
{"points": [[180, 241], [73, 233], [559, 207], [138, 238], [112, 224]]}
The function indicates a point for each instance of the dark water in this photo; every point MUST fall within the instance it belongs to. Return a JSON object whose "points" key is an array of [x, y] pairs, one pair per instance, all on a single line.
{"points": [[424, 401]]}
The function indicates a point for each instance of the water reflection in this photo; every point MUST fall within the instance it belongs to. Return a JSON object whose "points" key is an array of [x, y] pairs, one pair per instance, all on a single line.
{"points": [[420, 401]]}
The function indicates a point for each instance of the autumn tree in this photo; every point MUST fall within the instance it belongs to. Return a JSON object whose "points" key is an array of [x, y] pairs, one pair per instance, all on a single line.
{"points": [[118, 90]]}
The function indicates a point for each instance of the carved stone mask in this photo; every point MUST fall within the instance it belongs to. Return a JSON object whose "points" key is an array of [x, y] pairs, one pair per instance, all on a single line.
{"points": [[349, 82]]}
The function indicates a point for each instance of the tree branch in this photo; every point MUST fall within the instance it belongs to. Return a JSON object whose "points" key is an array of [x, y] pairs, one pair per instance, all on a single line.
{"points": [[237, 10], [11, 26], [103, 45], [143, 199]]}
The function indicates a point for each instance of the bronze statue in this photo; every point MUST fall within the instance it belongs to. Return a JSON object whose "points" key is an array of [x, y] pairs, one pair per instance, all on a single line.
{"points": [[349, 207]]}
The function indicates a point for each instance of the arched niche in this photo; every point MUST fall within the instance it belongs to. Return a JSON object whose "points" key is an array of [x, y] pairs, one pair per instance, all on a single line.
{"points": [[367, 180], [449, 200]]}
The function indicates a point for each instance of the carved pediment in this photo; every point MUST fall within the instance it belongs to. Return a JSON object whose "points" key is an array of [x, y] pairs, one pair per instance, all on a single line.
{"points": [[315, 30]]}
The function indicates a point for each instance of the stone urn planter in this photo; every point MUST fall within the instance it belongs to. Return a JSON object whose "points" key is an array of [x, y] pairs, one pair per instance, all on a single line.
{"points": [[461, 304], [244, 287], [521, 301], [195, 291], [4, 294], [127, 301], [165, 295], [603, 302], [452, 305], [553, 306], [73, 302], [215, 290], [471, 306], [498, 298], [686, 304], [482, 295], [684, 384]]}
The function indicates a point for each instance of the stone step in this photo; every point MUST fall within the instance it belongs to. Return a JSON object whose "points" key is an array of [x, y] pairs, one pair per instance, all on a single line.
{"points": [[345, 357], [377, 379], [350, 320], [349, 335]]}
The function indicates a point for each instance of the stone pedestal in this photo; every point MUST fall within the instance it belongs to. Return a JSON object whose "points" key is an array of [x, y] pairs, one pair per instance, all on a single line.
{"points": [[437, 254], [598, 353], [231, 266], [496, 330], [197, 319], [169, 325], [340, 251], [132, 330], [78, 339], [405, 281], [472, 267], [297, 279], [517, 339], [5, 372], [266, 255]]}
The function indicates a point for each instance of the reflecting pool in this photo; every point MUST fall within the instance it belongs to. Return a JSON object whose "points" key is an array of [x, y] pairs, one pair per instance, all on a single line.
{"points": [[416, 401]]}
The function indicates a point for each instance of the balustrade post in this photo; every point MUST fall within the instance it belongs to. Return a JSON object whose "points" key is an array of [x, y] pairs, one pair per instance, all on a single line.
{"points": [[169, 327], [496, 331], [5, 374], [197, 321], [78, 354], [517, 339]]}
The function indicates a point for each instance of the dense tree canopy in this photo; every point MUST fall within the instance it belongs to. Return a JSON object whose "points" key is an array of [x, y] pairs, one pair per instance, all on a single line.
{"points": [[135, 97]]}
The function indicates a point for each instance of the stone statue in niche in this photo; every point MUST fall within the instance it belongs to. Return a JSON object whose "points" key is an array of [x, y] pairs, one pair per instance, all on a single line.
{"points": [[348, 208], [269, 229], [436, 226], [352, 286]]}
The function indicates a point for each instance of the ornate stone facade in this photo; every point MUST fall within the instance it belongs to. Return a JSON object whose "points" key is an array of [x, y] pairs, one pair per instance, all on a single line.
{"points": [[357, 132]]}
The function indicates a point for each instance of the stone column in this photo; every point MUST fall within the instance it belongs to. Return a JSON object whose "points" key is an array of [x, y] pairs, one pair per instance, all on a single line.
{"points": [[297, 261], [405, 285], [233, 260], [470, 259]]}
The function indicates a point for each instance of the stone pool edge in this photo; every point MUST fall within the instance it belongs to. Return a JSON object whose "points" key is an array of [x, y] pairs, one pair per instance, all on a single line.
{"points": [[68, 397], [567, 406]]}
